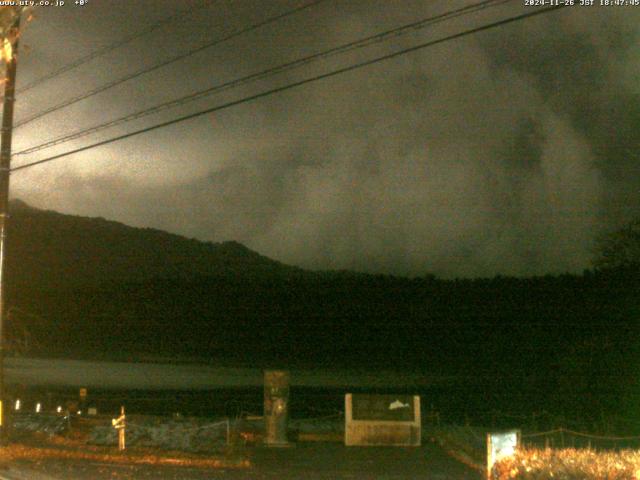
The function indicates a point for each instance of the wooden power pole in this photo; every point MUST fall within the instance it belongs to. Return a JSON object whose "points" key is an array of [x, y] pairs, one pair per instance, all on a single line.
{"points": [[5, 167]]}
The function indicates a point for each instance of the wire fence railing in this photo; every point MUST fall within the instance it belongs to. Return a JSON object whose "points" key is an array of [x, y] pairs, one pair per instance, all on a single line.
{"points": [[567, 438]]}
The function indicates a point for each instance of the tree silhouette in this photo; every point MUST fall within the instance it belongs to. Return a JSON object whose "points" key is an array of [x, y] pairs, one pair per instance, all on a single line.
{"points": [[620, 248]]}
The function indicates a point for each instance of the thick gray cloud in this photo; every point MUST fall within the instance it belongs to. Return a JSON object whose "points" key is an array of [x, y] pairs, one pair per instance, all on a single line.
{"points": [[506, 152]]}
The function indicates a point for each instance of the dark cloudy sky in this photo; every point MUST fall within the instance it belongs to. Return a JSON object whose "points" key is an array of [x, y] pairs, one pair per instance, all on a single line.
{"points": [[503, 152]]}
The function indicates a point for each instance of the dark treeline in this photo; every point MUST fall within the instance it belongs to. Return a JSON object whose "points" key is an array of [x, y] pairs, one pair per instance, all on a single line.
{"points": [[83, 287], [560, 343]]}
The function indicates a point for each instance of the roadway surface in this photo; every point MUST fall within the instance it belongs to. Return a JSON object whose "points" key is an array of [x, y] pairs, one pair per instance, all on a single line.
{"points": [[309, 461]]}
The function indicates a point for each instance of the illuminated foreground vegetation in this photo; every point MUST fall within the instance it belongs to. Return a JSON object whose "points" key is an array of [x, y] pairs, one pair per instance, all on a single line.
{"points": [[108, 456], [36, 447], [571, 464]]}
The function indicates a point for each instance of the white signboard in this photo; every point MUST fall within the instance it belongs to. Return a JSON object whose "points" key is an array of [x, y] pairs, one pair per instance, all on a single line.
{"points": [[374, 419], [499, 446]]}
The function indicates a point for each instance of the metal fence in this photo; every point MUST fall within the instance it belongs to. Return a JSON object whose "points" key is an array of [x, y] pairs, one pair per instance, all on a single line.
{"points": [[566, 438]]}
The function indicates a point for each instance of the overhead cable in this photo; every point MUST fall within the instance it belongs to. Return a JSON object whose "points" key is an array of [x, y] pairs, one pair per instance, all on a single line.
{"points": [[113, 46], [341, 49], [299, 83], [164, 63]]}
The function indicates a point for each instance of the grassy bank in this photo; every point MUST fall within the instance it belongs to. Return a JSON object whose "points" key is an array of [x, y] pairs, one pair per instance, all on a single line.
{"points": [[565, 464]]}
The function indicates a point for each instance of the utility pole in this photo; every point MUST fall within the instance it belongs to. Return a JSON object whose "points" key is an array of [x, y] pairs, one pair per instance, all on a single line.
{"points": [[5, 166]]}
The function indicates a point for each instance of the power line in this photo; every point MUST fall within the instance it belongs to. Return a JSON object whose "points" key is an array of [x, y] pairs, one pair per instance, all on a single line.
{"points": [[123, 41], [295, 84], [164, 63], [347, 47]]}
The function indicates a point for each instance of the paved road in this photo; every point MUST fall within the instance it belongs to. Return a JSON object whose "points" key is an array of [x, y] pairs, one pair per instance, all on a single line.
{"points": [[312, 461]]}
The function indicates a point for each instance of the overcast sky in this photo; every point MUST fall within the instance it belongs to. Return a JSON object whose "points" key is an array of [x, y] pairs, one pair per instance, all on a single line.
{"points": [[503, 152]]}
